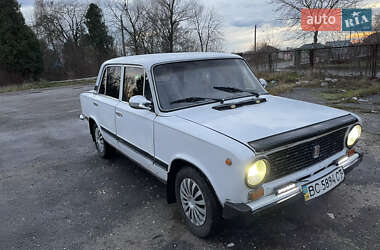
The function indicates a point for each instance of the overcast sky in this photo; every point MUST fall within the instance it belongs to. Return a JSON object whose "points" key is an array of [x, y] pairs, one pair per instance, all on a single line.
{"points": [[239, 18]]}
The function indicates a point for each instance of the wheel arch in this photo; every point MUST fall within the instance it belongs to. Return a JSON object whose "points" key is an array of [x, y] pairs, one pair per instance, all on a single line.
{"points": [[175, 166], [91, 123]]}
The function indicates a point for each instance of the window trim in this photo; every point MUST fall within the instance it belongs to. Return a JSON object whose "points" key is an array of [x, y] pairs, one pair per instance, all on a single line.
{"points": [[204, 103], [101, 80], [105, 86], [145, 77]]}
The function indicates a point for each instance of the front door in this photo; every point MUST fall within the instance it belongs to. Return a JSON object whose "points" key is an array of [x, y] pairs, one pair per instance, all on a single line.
{"points": [[135, 126]]}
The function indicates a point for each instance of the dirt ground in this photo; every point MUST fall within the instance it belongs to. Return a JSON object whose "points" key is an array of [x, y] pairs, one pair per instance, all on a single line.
{"points": [[56, 193]]}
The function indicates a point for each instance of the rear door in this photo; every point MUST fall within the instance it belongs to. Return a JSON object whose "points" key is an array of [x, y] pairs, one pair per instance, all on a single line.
{"points": [[106, 100], [135, 126]]}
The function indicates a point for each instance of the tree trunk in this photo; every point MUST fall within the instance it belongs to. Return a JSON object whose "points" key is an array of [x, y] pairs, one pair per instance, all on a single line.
{"points": [[316, 36], [122, 35]]}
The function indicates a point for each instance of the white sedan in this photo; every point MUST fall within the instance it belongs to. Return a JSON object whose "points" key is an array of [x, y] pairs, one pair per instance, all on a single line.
{"points": [[204, 124]]}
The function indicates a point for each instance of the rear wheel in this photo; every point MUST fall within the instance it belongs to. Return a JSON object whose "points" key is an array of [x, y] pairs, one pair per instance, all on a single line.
{"points": [[104, 149], [197, 202]]}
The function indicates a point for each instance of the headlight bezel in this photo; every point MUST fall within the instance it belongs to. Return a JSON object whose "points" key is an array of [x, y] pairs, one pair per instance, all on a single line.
{"points": [[267, 164], [348, 133]]}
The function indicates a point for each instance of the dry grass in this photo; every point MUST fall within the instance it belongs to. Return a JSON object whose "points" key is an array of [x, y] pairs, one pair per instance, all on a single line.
{"points": [[44, 84], [341, 91], [281, 88], [281, 77], [345, 89], [281, 82]]}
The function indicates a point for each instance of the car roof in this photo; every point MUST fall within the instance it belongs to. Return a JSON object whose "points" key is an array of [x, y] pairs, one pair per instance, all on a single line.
{"points": [[148, 60]]}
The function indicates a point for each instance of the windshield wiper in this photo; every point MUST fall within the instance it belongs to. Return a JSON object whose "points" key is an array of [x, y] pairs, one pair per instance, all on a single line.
{"points": [[235, 90], [196, 99]]}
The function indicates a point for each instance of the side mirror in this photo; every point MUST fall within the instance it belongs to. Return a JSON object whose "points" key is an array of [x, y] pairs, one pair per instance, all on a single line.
{"points": [[263, 83], [140, 102]]}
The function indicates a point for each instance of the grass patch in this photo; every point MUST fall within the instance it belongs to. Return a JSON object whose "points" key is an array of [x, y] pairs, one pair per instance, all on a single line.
{"points": [[345, 89], [281, 88], [282, 82], [340, 90], [352, 109], [337, 106], [44, 84], [282, 77]]}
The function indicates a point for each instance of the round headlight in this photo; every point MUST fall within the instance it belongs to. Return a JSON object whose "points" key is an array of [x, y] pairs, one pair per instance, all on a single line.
{"points": [[256, 172], [353, 135]]}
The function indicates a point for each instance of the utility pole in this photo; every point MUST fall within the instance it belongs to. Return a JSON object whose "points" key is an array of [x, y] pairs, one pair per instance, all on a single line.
{"points": [[255, 37], [350, 36], [122, 34]]}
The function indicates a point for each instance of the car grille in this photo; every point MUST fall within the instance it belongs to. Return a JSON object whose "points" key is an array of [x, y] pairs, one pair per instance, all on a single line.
{"points": [[300, 156]]}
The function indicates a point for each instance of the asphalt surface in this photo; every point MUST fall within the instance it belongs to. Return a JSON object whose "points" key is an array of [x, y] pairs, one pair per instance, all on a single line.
{"points": [[56, 193]]}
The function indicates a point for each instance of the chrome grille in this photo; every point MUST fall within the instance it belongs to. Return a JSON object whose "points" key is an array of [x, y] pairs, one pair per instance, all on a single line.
{"points": [[300, 156]]}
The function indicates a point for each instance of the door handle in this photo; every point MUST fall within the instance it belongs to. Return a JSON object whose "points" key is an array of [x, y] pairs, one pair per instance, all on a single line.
{"points": [[95, 104], [119, 114]]}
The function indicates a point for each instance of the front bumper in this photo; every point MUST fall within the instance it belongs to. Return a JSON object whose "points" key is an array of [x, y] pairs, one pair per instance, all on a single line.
{"points": [[234, 209]]}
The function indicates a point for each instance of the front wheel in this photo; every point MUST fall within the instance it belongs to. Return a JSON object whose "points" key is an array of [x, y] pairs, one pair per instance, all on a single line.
{"points": [[197, 202]]}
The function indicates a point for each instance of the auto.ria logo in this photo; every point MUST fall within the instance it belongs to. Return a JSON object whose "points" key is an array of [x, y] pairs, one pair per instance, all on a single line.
{"points": [[336, 19]]}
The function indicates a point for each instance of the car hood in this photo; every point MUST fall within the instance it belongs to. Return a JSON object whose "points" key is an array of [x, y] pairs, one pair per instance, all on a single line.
{"points": [[253, 122]]}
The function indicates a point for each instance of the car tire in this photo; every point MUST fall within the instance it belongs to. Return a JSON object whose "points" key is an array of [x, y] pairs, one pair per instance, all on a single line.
{"points": [[197, 202], [104, 149]]}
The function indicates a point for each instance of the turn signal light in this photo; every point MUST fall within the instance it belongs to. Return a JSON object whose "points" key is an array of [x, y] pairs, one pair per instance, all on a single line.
{"points": [[228, 162], [350, 152], [256, 194]]}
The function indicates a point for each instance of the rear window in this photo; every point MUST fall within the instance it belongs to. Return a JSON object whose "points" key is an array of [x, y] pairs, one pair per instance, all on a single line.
{"points": [[110, 84]]}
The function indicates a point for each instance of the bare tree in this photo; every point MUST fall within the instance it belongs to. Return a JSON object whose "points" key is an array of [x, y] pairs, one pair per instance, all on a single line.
{"points": [[168, 18], [61, 21], [61, 27], [207, 27], [290, 10], [135, 22], [154, 26]]}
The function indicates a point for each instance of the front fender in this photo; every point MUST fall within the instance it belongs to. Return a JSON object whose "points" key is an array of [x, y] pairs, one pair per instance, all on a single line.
{"points": [[176, 138]]}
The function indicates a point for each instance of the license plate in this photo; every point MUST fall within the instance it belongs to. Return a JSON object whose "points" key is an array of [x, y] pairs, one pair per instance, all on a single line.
{"points": [[323, 185]]}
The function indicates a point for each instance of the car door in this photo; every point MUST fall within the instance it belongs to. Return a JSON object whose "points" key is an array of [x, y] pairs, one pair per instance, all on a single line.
{"points": [[106, 100], [135, 126]]}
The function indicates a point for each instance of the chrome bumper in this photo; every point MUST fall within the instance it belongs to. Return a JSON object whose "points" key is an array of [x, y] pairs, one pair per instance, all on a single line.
{"points": [[232, 209]]}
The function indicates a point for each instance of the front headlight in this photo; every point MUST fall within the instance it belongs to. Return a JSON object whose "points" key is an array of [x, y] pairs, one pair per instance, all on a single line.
{"points": [[256, 172], [353, 135]]}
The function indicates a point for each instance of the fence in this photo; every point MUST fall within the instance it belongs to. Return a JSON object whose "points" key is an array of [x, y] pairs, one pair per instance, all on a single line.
{"points": [[355, 60]]}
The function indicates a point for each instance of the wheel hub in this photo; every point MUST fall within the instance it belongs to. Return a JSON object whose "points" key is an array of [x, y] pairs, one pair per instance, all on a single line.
{"points": [[99, 140], [193, 202]]}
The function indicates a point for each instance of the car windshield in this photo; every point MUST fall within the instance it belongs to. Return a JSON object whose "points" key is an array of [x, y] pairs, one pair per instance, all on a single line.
{"points": [[185, 84]]}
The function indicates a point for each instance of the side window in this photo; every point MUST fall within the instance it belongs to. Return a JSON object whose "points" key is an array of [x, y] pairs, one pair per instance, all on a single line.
{"points": [[113, 81], [133, 82]]}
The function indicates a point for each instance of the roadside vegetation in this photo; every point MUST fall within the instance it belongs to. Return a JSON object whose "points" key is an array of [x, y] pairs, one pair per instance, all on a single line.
{"points": [[351, 90], [282, 82], [69, 39], [333, 90], [45, 84]]}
